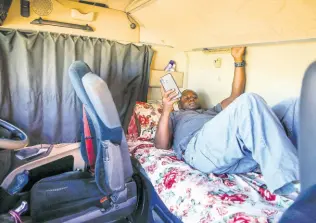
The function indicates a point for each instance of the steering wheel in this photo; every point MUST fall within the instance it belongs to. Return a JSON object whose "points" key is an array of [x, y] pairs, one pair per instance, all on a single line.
{"points": [[11, 137]]}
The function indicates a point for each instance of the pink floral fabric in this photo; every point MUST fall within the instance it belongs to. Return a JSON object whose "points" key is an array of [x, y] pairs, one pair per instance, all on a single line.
{"points": [[147, 115], [196, 197], [132, 127]]}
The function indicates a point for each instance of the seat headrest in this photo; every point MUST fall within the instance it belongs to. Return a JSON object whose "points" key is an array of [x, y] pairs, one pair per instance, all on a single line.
{"points": [[100, 97]]}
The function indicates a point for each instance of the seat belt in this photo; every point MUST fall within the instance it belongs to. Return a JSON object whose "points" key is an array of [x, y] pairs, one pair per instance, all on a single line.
{"points": [[88, 140]]}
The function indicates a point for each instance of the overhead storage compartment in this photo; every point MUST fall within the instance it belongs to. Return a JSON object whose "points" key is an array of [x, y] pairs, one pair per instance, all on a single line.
{"points": [[192, 25]]}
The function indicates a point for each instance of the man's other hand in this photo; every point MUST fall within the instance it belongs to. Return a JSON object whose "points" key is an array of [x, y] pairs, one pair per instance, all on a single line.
{"points": [[168, 99], [238, 53]]}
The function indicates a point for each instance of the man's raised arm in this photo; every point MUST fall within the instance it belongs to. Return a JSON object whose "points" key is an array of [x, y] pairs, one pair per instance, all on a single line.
{"points": [[239, 81], [163, 136]]}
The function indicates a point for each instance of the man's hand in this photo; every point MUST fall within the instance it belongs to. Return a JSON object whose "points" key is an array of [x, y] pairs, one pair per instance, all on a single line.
{"points": [[238, 53], [168, 99]]}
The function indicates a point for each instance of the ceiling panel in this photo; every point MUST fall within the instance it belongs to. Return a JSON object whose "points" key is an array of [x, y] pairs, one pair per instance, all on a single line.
{"points": [[113, 4], [188, 24]]}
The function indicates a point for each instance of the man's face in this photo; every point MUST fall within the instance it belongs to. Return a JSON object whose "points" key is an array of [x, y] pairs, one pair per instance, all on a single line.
{"points": [[189, 100]]}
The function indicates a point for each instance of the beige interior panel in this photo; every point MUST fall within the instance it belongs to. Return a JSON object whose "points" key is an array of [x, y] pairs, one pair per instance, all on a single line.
{"points": [[161, 58], [113, 4], [58, 151], [116, 4], [188, 24], [155, 75], [275, 72], [108, 23], [136, 4]]}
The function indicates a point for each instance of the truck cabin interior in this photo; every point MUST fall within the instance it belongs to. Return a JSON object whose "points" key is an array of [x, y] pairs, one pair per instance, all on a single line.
{"points": [[83, 109]]}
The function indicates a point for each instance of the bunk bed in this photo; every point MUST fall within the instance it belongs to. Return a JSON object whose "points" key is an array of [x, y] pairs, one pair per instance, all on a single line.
{"points": [[191, 195]]}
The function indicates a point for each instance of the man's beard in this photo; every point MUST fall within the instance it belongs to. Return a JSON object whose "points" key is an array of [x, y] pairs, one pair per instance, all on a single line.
{"points": [[193, 106]]}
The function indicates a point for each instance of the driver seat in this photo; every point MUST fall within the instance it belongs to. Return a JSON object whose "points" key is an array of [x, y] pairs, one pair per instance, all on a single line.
{"points": [[107, 185], [109, 193]]}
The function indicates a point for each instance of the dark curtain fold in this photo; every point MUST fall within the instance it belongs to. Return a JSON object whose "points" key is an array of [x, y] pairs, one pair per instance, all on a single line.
{"points": [[36, 93]]}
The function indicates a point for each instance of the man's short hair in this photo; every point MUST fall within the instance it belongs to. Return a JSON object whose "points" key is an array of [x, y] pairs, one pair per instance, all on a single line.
{"points": [[187, 90]]}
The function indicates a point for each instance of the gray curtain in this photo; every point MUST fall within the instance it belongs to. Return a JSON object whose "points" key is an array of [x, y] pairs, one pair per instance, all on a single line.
{"points": [[36, 93]]}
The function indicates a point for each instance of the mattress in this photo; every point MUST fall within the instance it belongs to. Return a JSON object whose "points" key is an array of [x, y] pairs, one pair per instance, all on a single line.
{"points": [[196, 197]]}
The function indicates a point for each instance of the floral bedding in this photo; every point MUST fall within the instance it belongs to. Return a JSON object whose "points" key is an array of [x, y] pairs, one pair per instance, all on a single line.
{"points": [[145, 120], [196, 197]]}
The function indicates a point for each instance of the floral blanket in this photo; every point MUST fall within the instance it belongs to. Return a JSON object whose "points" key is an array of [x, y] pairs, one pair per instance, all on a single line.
{"points": [[196, 197]]}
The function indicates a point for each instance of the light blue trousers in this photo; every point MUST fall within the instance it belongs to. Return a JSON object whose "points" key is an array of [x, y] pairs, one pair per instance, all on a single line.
{"points": [[287, 112], [247, 133]]}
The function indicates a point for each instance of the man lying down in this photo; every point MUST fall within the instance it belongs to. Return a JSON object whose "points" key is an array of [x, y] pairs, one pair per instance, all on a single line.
{"points": [[234, 136]]}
